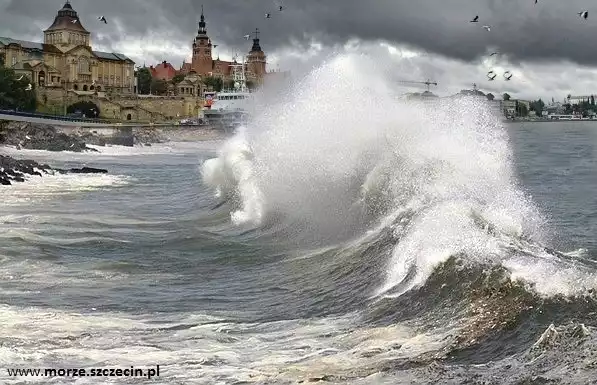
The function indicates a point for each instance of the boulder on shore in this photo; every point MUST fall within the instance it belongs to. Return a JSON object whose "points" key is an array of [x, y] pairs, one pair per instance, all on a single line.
{"points": [[35, 136], [14, 170]]}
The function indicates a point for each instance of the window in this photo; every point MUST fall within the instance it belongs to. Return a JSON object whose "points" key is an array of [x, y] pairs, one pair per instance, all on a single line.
{"points": [[14, 60], [83, 65]]}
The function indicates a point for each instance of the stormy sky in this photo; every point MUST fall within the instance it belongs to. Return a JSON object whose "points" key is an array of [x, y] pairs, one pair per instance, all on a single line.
{"points": [[547, 46]]}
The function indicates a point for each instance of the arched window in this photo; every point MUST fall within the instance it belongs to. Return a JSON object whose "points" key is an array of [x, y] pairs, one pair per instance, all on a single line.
{"points": [[85, 87], [83, 65], [41, 78]]}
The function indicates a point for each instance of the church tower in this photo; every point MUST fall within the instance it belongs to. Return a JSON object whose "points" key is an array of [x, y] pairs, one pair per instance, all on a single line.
{"points": [[256, 60], [202, 60], [67, 31]]}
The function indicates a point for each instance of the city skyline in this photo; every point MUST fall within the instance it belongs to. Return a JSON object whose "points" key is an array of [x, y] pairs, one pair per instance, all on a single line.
{"points": [[543, 45]]}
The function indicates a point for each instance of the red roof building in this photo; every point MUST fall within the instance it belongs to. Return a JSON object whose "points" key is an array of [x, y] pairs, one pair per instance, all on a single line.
{"points": [[163, 71]]}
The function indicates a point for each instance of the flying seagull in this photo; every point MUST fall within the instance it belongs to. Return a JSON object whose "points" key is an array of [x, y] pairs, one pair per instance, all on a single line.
{"points": [[584, 14], [247, 37], [494, 53], [491, 75], [29, 87], [74, 21], [475, 20], [488, 28], [21, 78], [268, 15], [102, 19], [215, 46], [280, 8], [507, 75], [27, 137]]}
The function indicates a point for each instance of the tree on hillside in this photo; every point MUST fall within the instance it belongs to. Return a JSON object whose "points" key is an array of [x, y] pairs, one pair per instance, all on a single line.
{"points": [[14, 93], [85, 107], [521, 109], [2, 59], [159, 87], [592, 100], [537, 106], [177, 79], [143, 80], [214, 83], [490, 96], [505, 96]]}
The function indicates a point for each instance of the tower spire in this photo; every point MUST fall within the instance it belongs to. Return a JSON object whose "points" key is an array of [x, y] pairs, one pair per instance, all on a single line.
{"points": [[256, 47], [202, 23]]}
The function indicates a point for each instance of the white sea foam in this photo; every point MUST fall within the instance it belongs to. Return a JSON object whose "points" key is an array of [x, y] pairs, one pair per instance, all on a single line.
{"points": [[36, 188], [340, 148], [207, 351]]}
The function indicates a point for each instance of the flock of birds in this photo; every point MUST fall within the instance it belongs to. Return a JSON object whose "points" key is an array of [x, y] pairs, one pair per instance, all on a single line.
{"points": [[491, 75], [268, 15]]}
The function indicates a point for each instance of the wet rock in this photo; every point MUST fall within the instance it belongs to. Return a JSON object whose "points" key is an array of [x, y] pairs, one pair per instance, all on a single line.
{"points": [[146, 136], [35, 136], [88, 170], [14, 170]]}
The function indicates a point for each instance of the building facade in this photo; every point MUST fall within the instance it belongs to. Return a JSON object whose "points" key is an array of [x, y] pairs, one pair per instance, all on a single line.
{"points": [[203, 64], [65, 60], [163, 71]]}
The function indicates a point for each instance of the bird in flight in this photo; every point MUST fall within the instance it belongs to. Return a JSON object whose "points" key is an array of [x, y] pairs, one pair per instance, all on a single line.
{"points": [[29, 87], [494, 53], [487, 28], [491, 75], [102, 19], [247, 37], [507, 75], [21, 78], [475, 20], [280, 8], [584, 14], [268, 15], [74, 21], [215, 46]]}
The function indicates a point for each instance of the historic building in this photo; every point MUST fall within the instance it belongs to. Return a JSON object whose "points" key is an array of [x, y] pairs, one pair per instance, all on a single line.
{"points": [[66, 61], [203, 63], [163, 71]]}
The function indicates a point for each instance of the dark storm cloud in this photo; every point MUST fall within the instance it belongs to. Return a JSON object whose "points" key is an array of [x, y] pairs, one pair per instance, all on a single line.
{"points": [[549, 30]]}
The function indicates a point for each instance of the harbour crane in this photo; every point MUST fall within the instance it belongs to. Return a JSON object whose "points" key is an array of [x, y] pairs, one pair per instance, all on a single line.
{"points": [[428, 83]]}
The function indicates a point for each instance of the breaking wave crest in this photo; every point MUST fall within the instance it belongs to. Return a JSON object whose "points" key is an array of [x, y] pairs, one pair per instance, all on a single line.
{"points": [[340, 156]]}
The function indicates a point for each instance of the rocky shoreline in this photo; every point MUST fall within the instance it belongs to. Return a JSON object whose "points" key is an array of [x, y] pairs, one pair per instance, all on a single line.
{"points": [[31, 136], [36, 136], [15, 170]]}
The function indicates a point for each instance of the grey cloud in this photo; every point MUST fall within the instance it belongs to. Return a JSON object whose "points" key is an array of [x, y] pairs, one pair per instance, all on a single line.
{"points": [[549, 30], [524, 33]]}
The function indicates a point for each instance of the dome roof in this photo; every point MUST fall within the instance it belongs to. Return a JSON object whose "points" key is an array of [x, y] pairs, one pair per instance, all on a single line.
{"points": [[67, 18]]}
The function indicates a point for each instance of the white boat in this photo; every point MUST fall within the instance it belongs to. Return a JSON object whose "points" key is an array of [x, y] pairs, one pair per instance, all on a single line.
{"points": [[230, 108]]}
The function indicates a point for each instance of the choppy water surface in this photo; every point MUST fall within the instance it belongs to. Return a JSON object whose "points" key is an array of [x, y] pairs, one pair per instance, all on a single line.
{"points": [[401, 246]]}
